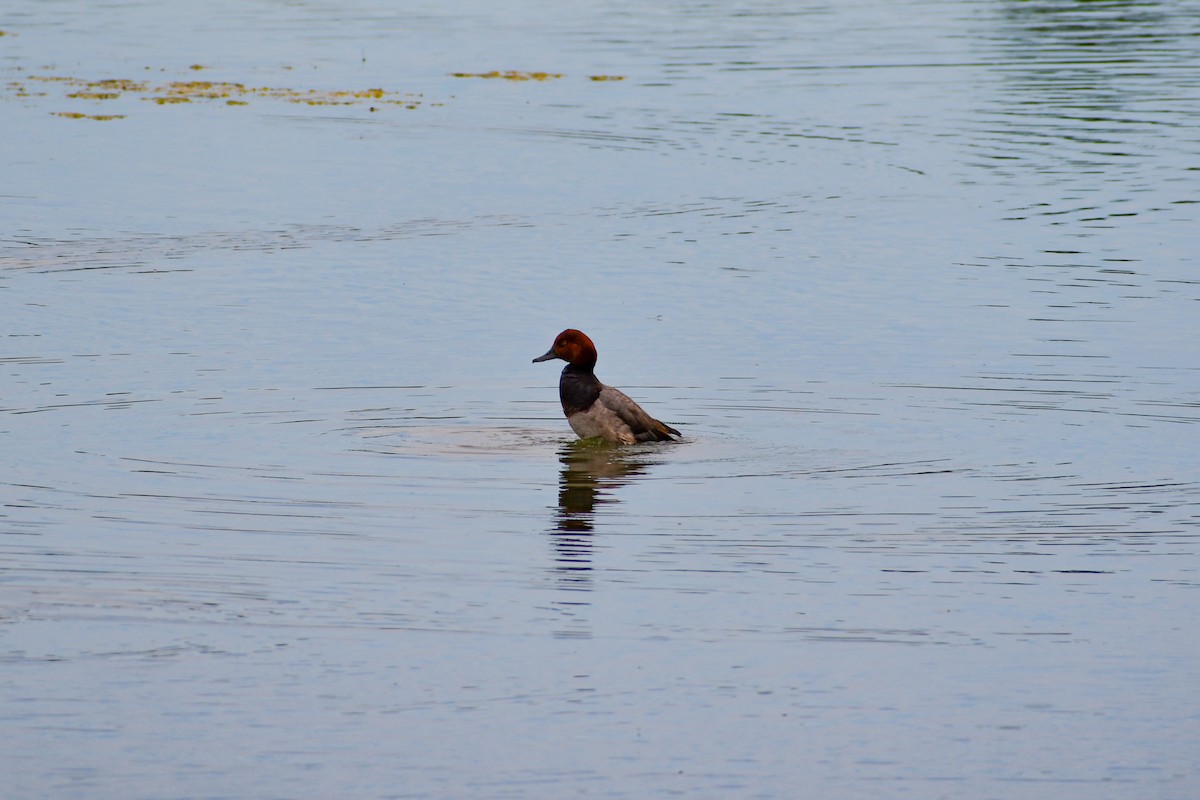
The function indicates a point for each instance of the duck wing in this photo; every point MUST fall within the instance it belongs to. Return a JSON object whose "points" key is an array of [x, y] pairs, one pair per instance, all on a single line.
{"points": [[644, 427]]}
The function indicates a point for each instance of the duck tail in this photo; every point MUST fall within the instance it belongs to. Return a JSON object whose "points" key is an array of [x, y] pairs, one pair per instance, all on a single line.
{"points": [[665, 432]]}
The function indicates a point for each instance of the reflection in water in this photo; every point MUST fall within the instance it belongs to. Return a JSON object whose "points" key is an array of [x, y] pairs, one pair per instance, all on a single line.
{"points": [[589, 474], [1090, 95], [1088, 64]]}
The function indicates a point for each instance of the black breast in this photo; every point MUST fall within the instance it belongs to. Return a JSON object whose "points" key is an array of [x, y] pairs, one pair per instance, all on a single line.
{"points": [[578, 388]]}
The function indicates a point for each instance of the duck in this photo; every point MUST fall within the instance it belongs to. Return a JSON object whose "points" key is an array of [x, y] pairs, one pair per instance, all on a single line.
{"points": [[593, 410]]}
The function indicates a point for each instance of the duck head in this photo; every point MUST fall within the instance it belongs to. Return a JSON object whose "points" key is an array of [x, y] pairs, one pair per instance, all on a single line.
{"points": [[571, 346]]}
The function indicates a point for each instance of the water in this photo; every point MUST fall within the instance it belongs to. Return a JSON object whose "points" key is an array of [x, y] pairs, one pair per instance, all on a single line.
{"points": [[287, 512]]}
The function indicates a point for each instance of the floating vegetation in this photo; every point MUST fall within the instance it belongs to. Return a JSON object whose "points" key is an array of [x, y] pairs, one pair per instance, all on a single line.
{"points": [[77, 115], [118, 85], [229, 93], [516, 75], [509, 75], [94, 95], [232, 94]]}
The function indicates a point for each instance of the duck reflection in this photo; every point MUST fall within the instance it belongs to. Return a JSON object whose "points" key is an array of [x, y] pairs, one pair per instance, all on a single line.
{"points": [[590, 474]]}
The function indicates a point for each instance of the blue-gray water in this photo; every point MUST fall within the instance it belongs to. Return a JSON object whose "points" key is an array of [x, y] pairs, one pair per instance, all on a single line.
{"points": [[287, 512]]}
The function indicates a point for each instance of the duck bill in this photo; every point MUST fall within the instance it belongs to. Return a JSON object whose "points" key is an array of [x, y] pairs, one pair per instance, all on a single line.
{"points": [[549, 354]]}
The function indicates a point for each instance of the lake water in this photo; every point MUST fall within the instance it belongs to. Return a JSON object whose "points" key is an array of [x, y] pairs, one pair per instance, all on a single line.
{"points": [[287, 512]]}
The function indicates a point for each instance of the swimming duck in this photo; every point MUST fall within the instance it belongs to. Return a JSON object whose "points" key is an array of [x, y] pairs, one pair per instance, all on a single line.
{"points": [[596, 410]]}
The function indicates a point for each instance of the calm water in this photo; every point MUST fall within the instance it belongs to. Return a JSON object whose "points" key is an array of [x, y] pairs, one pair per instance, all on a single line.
{"points": [[287, 512]]}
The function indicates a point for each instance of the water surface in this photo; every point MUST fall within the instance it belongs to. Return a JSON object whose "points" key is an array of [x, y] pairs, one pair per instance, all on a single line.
{"points": [[287, 512]]}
